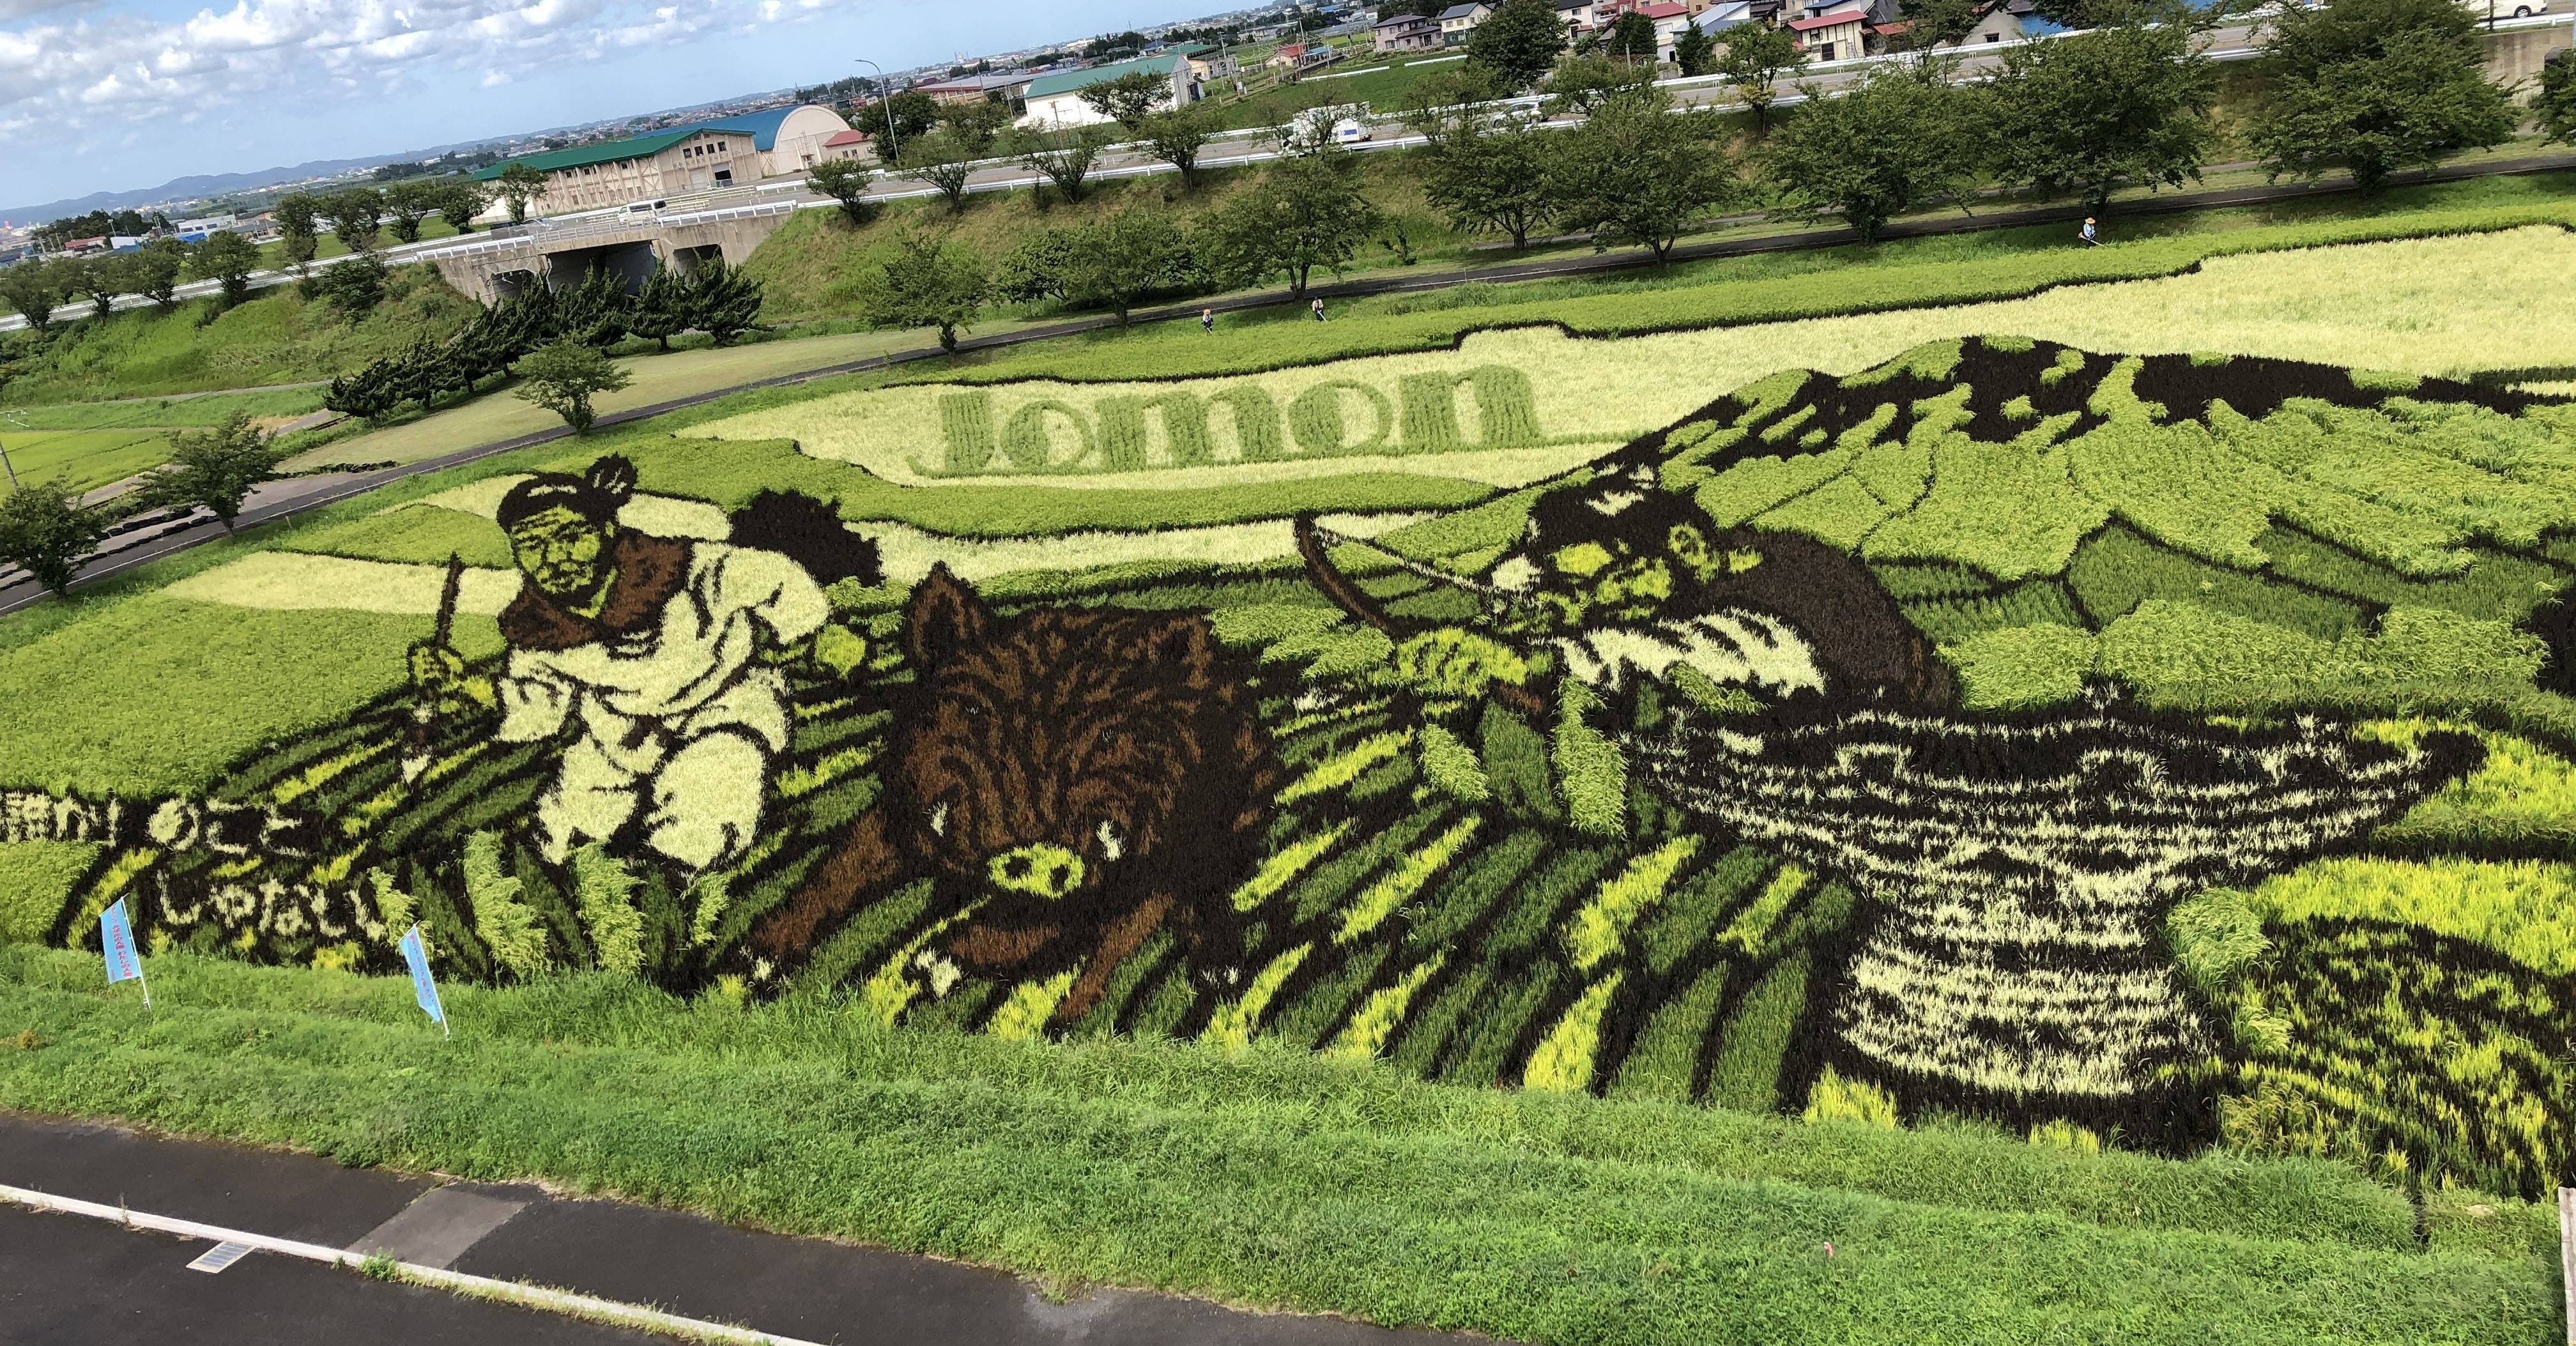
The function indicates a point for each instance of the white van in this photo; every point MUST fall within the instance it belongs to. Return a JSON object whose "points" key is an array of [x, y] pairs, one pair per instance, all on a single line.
{"points": [[1350, 131]]}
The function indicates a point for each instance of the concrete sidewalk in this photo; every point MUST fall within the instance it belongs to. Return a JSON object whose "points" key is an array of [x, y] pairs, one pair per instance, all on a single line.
{"points": [[73, 1278]]}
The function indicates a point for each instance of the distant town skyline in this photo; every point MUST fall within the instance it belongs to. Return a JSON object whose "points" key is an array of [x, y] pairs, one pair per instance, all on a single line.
{"points": [[126, 94]]}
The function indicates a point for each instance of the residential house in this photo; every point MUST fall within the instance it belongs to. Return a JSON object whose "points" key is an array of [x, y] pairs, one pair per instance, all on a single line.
{"points": [[1839, 36], [1405, 32], [1458, 22], [1056, 99], [1209, 63], [849, 145], [1289, 56], [1577, 16], [1717, 18], [1669, 17]]}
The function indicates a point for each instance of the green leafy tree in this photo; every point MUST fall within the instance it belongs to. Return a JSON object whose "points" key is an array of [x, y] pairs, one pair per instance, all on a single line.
{"points": [[1630, 40], [563, 378], [47, 531], [1934, 24], [1304, 212], [976, 125], [1177, 136], [519, 184], [227, 259], [1517, 44], [97, 279], [1899, 140], [1126, 256], [1638, 172], [296, 240], [406, 205], [845, 181], [927, 281], [661, 308], [1130, 98], [1486, 172], [1583, 84], [459, 200], [1755, 57], [1041, 267], [2090, 112], [724, 303], [2555, 102], [941, 160], [1694, 51], [903, 116], [214, 471], [2375, 87], [354, 285], [153, 271], [1065, 156], [34, 290], [357, 216]]}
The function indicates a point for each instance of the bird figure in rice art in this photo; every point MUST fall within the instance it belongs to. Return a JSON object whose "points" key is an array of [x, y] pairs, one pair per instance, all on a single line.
{"points": [[2017, 868]]}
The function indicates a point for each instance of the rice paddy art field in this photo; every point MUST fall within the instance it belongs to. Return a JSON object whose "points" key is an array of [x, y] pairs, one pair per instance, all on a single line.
{"points": [[2098, 767]]}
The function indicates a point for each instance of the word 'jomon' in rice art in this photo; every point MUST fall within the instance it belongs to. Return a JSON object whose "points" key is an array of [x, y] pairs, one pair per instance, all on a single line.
{"points": [[2010, 731]]}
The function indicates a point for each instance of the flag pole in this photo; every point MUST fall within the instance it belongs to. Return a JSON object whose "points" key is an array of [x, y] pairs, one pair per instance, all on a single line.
{"points": [[146, 981]]}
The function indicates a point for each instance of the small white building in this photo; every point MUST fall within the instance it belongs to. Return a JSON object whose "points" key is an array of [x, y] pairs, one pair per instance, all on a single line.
{"points": [[1056, 100], [1458, 22]]}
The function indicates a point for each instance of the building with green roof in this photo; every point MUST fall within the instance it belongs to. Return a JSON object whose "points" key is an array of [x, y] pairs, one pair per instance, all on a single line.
{"points": [[1056, 99]]}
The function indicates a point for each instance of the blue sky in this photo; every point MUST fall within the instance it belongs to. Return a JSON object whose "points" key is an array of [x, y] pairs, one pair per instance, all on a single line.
{"points": [[112, 95]]}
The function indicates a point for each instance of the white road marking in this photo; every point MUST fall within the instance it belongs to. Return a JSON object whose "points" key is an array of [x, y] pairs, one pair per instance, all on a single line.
{"points": [[511, 1292]]}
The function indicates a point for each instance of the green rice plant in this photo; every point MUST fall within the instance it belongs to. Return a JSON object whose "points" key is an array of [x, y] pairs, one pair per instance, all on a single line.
{"points": [[2524, 910]]}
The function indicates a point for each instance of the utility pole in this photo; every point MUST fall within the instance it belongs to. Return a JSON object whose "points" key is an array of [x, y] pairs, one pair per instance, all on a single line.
{"points": [[885, 99]]}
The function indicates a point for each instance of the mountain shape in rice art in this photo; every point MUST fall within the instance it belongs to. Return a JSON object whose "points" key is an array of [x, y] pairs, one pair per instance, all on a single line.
{"points": [[1867, 725]]}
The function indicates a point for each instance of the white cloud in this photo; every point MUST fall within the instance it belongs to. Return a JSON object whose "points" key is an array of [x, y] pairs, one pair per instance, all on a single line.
{"points": [[125, 67]]}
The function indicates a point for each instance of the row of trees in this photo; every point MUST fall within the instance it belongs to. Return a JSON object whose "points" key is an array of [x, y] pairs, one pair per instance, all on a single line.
{"points": [[38, 291], [715, 299]]}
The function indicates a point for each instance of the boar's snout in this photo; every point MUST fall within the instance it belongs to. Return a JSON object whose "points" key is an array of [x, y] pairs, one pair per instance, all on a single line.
{"points": [[1039, 870]]}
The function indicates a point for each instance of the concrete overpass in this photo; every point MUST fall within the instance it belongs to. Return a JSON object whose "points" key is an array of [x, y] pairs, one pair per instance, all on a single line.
{"points": [[498, 265]]}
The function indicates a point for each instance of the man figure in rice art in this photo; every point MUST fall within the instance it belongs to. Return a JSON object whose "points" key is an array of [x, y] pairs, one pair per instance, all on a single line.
{"points": [[649, 644]]}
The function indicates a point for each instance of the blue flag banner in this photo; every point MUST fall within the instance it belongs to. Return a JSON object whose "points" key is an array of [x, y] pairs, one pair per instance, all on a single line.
{"points": [[423, 991], [116, 944]]}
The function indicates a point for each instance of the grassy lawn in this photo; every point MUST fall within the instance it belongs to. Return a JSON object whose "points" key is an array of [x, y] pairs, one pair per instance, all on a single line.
{"points": [[1275, 1178], [202, 409], [81, 459]]}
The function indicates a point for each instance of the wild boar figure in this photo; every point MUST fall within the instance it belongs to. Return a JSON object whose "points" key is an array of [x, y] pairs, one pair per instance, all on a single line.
{"points": [[1071, 779]]}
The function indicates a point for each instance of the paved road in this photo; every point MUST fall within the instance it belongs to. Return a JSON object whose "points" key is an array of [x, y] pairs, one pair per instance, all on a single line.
{"points": [[74, 1281], [307, 493]]}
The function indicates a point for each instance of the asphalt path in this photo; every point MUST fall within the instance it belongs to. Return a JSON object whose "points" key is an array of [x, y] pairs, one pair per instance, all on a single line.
{"points": [[301, 495], [73, 1281]]}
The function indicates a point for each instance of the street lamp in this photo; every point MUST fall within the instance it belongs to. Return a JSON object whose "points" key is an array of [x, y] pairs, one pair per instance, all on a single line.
{"points": [[885, 99]]}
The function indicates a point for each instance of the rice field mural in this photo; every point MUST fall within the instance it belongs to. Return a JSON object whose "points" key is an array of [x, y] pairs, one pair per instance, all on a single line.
{"points": [[2144, 751]]}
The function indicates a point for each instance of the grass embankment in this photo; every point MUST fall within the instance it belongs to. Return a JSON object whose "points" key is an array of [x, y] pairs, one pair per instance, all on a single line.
{"points": [[276, 336], [811, 267], [1276, 1177], [1931, 273]]}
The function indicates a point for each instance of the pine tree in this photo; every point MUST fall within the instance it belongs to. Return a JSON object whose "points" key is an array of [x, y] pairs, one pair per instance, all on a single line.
{"points": [[723, 302], [661, 307]]}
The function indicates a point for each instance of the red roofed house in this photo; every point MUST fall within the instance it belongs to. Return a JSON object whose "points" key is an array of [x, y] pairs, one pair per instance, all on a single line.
{"points": [[1670, 19], [1832, 37], [848, 145]]}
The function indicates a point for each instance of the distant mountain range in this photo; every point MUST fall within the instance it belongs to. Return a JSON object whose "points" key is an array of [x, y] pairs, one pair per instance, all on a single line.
{"points": [[211, 184], [216, 184]]}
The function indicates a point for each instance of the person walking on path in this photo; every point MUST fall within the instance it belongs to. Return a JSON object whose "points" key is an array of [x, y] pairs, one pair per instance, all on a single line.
{"points": [[2087, 235], [1207, 321], [1319, 310]]}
